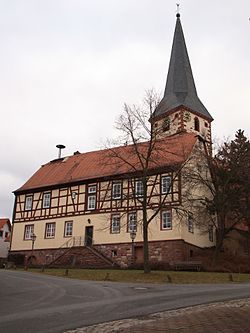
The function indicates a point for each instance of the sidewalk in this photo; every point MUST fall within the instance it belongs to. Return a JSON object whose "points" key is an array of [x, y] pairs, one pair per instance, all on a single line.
{"points": [[223, 317]]}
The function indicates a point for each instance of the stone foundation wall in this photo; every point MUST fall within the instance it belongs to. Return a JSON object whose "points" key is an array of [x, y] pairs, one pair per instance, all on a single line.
{"points": [[161, 253]]}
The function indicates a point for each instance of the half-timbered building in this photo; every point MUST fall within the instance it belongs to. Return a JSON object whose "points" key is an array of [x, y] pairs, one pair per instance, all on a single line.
{"points": [[83, 209]]}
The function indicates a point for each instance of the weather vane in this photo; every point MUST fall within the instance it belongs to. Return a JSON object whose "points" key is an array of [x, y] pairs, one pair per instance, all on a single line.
{"points": [[178, 8]]}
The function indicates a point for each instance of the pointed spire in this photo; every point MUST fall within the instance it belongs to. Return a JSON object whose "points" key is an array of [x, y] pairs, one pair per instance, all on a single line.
{"points": [[180, 88]]}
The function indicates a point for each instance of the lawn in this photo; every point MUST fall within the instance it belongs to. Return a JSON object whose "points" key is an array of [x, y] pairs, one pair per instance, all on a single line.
{"points": [[139, 276]]}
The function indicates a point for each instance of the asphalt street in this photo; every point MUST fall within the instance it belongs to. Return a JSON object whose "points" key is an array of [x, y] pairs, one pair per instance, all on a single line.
{"points": [[34, 303]]}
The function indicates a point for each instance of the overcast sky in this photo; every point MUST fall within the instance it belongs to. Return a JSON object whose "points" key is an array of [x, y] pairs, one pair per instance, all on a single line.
{"points": [[67, 67]]}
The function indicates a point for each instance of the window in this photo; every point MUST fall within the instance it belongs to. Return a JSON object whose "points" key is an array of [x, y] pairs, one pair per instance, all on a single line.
{"points": [[1, 233], [91, 202], [115, 224], [28, 231], [92, 189], [28, 202], [166, 220], [68, 229], [165, 184], [91, 197], [138, 188], [50, 230], [46, 200], [117, 191], [211, 233], [196, 124], [166, 124], [132, 225], [190, 223]]}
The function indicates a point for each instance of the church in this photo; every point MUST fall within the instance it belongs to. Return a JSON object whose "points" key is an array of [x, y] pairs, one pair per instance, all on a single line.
{"points": [[85, 210]]}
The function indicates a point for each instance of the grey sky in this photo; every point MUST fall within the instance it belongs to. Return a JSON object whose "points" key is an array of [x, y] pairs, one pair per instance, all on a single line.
{"points": [[67, 67]]}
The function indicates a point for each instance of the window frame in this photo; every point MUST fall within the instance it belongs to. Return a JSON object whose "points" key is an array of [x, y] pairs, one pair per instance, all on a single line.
{"points": [[28, 202], [196, 124], [134, 222], [31, 231], [113, 217], [91, 204], [164, 185], [46, 200], [91, 197], [116, 195], [190, 223], [163, 212], [66, 224], [91, 189], [138, 194], [52, 235]]}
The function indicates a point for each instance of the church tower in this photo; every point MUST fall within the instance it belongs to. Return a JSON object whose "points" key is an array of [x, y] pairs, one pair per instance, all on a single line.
{"points": [[180, 108]]}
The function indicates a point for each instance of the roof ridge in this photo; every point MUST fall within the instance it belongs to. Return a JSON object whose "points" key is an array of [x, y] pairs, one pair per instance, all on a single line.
{"points": [[174, 135]]}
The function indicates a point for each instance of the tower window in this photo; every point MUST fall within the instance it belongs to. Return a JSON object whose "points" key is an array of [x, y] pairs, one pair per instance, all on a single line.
{"points": [[166, 124], [196, 124]]}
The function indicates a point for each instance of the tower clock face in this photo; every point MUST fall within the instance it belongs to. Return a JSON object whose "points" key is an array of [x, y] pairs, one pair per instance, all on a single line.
{"points": [[187, 116]]}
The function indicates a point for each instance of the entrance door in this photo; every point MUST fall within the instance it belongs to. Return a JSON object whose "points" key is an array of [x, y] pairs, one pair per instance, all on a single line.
{"points": [[88, 236], [139, 255]]}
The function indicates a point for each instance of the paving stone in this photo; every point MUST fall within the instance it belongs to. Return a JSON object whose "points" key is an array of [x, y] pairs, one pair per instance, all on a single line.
{"points": [[223, 317]]}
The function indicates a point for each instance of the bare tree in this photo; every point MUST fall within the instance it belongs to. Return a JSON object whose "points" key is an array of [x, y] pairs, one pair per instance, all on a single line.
{"points": [[143, 158]]}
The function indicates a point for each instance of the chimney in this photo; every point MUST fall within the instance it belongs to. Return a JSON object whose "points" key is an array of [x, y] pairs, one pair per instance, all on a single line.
{"points": [[60, 147]]}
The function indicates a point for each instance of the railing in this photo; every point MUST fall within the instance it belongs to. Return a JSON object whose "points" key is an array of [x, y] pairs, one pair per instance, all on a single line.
{"points": [[78, 241], [73, 241]]}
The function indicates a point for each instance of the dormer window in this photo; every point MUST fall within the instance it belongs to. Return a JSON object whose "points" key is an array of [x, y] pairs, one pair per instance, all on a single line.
{"points": [[196, 124]]}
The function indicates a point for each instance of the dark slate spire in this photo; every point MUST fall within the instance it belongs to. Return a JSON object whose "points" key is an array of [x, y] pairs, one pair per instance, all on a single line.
{"points": [[180, 88]]}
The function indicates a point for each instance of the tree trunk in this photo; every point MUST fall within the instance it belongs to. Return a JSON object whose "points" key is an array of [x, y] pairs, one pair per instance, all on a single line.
{"points": [[145, 226], [145, 248], [219, 243]]}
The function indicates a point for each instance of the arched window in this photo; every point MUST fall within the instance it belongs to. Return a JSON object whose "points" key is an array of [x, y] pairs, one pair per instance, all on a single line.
{"points": [[196, 124]]}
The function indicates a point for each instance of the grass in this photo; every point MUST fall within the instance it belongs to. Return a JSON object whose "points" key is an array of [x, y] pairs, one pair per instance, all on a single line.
{"points": [[139, 276]]}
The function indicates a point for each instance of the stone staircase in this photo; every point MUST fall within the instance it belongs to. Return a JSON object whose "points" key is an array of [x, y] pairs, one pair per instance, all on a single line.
{"points": [[75, 253]]}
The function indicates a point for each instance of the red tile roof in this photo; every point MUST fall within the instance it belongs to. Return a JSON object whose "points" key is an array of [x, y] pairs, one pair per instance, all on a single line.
{"points": [[4, 221], [170, 151]]}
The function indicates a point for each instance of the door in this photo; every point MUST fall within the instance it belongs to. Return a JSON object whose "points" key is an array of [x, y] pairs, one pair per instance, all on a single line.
{"points": [[88, 236], [139, 259]]}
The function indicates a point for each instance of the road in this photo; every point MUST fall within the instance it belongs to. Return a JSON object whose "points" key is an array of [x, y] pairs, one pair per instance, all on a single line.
{"points": [[34, 303]]}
